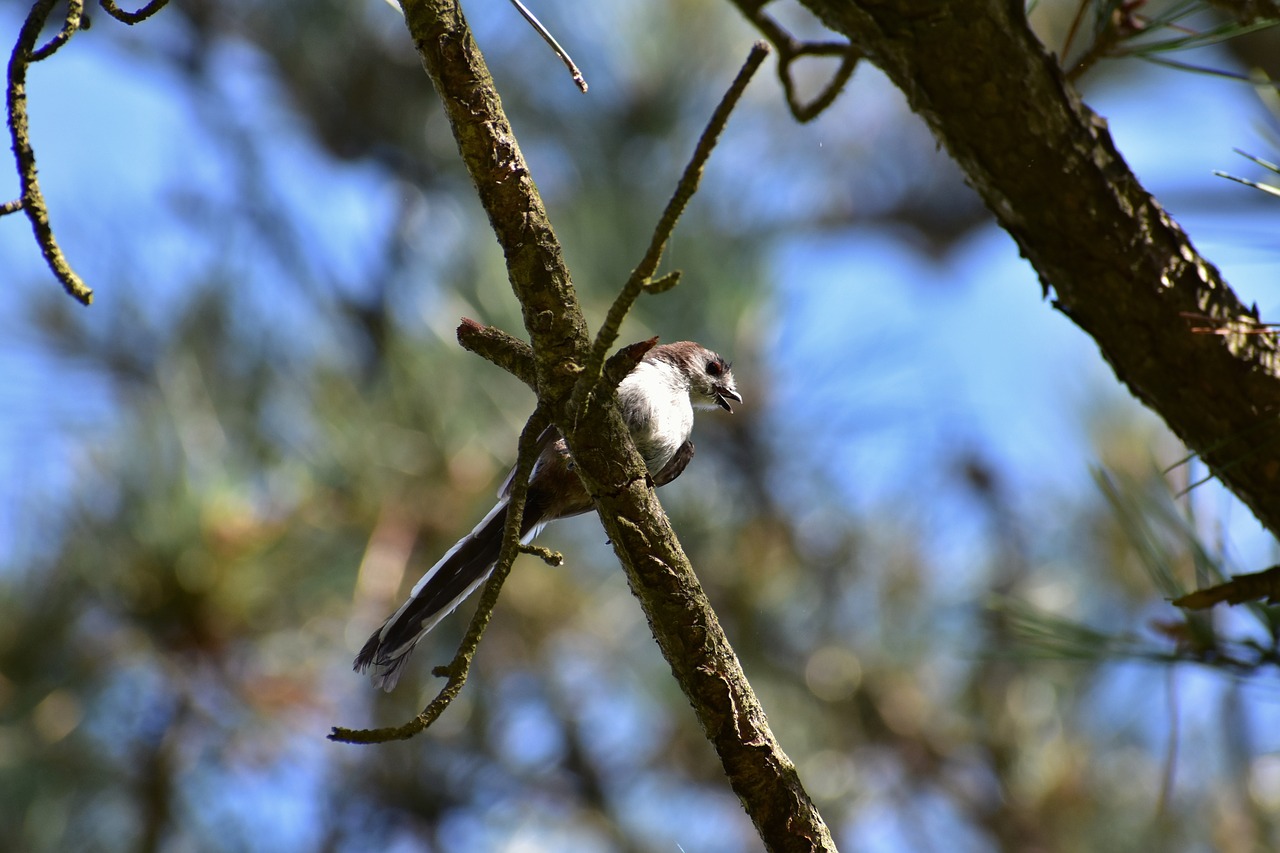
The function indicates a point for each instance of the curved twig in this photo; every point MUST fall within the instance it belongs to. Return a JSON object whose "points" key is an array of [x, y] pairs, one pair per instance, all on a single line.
{"points": [[71, 22], [32, 202], [790, 49], [131, 18]]}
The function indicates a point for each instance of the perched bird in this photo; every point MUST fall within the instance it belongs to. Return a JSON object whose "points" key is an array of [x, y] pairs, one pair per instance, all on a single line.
{"points": [[657, 400]]}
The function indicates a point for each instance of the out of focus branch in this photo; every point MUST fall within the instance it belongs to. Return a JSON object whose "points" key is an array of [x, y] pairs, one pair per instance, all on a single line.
{"points": [[1249, 11], [137, 17], [790, 49]]}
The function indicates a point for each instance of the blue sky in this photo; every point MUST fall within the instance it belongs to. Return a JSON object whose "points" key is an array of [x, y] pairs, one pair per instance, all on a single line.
{"points": [[953, 351]]}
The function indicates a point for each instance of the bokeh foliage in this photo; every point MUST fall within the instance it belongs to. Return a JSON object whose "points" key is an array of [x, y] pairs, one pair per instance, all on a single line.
{"points": [[290, 436]]}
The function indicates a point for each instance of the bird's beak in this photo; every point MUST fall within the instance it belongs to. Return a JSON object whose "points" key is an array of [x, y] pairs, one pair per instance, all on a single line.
{"points": [[724, 395]]}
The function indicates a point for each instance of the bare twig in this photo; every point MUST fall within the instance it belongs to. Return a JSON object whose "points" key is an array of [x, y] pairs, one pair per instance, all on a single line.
{"points": [[32, 201], [578, 79], [790, 49], [552, 558], [137, 17], [1269, 166], [683, 623], [70, 24], [492, 344], [459, 668], [641, 276]]}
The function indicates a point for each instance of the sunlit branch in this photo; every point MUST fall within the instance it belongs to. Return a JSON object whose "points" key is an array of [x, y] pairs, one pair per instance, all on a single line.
{"points": [[32, 202], [641, 277], [459, 668], [71, 22], [578, 79], [506, 351], [137, 17]]}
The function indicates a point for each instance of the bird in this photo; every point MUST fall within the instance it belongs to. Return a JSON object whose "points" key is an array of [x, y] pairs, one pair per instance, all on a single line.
{"points": [[657, 400]]}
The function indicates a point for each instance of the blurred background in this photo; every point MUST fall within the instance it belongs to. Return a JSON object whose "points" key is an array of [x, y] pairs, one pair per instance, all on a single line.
{"points": [[939, 534]]}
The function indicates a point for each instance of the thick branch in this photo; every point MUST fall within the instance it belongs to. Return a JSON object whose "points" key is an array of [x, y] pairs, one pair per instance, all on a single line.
{"points": [[1118, 264], [535, 265], [683, 623]]}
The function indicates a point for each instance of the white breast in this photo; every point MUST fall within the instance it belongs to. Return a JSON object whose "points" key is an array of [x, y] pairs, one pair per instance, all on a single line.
{"points": [[654, 399]]}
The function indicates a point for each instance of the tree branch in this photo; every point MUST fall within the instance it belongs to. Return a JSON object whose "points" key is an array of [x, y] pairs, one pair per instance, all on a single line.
{"points": [[681, 618], [1119, 266], [131, 18], [491, 343], [31, 202], [535, 263], [457, 670], [642, 275], [790, 49]]}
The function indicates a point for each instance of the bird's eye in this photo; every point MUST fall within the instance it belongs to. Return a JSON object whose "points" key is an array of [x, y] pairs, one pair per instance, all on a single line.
{"points": [[715, 368]]}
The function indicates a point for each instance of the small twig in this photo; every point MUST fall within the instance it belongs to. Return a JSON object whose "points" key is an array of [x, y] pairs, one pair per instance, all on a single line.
{"points": [[131, 18], [578, 79], [1266, 188], [546, 555], [10, 207], [663, 284], [458, 669], [492, 344], [70, 24], [642, 275], [803, 112], [790, 49], [32, 200]]}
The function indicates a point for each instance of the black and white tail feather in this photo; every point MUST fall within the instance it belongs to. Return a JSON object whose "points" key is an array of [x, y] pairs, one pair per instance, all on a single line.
{"points": [[657, 400], [457, 574]]}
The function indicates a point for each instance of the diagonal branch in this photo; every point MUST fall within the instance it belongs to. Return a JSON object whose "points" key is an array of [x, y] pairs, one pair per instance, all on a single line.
{"points": [[459, 668], [1118, 265], [535, 263], [679, 614]]}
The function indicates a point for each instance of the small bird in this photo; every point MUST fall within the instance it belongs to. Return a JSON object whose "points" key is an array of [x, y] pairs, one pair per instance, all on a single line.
{"points": [[657, 400]]}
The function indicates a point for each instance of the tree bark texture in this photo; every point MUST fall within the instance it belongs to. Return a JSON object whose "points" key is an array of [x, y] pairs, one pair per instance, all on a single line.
{"points": [[1115, 262], [679, 614]]}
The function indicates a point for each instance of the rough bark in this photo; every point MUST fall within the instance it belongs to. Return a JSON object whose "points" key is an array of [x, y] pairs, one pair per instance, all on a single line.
{"points": [[1115, 262], [658, 570]]}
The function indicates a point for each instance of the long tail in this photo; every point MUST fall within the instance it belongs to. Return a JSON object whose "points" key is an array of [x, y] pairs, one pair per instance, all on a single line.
{"points": [[441, 589]]}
